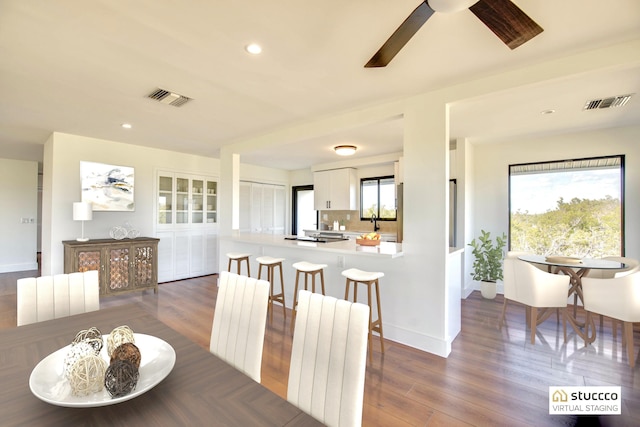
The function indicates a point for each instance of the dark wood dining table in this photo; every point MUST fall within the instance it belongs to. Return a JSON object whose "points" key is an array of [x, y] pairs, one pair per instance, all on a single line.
{"points": [[576, 269], [200, 390]]}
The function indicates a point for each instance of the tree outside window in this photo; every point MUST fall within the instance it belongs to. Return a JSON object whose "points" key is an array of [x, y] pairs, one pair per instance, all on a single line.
{"points": [[378, 196]]}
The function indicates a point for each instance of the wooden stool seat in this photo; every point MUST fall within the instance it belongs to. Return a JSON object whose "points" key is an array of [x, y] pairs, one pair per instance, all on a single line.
{"points": [[308, 269], [238, 257], [371, 280], [271, 263]]}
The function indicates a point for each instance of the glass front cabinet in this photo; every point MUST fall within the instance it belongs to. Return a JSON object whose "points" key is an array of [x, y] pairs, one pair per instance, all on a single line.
{"points": [[186, 222], [185, 201]]}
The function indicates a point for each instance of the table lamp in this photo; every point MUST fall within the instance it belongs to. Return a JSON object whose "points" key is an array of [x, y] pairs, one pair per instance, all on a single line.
{"points": [[82, 211]]}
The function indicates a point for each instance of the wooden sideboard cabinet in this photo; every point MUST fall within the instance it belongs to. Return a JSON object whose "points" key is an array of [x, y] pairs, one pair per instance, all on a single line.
{"points": [[126, 265]]}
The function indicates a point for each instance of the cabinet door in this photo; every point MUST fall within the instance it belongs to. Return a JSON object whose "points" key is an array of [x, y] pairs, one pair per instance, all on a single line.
{"points": [[197, 201], [143, 263], [211, 204], [342, 185], [118, 269], [256, 208], [87, 259], [181, 255], [280, 209], [211, 253], [321, 190], [268, 214], [182, 200], [165, 199]]}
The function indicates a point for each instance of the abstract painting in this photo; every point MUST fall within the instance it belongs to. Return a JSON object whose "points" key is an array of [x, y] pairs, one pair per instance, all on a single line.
{"points": [[108, 187]]}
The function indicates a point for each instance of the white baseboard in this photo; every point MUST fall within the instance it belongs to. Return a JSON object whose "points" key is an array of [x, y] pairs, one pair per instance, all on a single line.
{"points": [[10, 268]]}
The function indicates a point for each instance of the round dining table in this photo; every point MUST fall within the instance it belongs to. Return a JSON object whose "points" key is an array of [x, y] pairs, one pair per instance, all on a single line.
{"points": [[576, 269]]}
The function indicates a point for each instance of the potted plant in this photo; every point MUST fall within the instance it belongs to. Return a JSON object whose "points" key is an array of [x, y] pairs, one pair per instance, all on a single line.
{"points": [[487, 266]]}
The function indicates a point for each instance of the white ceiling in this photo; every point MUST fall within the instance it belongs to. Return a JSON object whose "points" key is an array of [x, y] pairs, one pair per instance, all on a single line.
{"points": [[86, 67]]}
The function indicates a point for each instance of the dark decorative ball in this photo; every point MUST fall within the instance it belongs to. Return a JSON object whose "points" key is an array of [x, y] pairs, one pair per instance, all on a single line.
{"points": [[127, 351], [92, 336], [121, 378]]}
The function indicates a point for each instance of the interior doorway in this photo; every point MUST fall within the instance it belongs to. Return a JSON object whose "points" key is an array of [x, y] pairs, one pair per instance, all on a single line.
{"points": [[305, 217]]}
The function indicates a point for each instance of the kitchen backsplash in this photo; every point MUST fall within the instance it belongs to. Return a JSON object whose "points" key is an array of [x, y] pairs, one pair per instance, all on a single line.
{"points": [[354, 223]]}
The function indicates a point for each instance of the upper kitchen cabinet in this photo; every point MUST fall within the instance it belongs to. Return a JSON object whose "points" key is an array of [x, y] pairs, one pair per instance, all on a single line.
{"points": [[335, 190]]}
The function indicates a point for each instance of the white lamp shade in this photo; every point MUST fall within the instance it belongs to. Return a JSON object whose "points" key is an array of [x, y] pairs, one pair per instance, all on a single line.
{"points": [[82, 211]]}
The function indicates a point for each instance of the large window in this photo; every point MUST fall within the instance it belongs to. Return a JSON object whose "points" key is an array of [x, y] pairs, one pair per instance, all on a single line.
{"points": [[568, 207], [378, 197]]}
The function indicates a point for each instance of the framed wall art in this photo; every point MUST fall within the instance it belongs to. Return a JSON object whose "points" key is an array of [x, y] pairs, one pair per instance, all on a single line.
{"points": [[108, 187]]}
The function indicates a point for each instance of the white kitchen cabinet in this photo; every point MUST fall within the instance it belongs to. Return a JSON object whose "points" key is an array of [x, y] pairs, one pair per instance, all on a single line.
{"points": [[335, 189], [262, 208]]}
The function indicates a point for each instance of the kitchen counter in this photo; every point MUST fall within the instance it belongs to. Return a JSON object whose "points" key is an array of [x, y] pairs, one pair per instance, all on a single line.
{"points": [[345, 247]]}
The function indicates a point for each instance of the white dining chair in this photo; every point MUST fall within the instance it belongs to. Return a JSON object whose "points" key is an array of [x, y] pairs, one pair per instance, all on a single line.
{"points": [[528, 285], [617, 298], [509, 282], [51, 297], [631, 266], [239, 319], [328, 359]]}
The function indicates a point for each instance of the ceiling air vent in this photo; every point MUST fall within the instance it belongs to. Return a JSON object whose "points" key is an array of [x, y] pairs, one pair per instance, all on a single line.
{"points": [[169, 98], [614, 101]]}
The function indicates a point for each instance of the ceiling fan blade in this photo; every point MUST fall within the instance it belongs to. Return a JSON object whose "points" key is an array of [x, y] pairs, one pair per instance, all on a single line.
{"points": [[507, 21], [401, 36]]}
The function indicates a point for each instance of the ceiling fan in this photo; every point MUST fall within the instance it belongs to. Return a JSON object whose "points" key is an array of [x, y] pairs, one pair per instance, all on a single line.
{"points": [[503, 17]]}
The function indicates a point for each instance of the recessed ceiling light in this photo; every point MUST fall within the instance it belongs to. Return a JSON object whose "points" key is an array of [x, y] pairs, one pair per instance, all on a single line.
{"points": [[126, 125], [547, 111], [345, 150], [253, 48]]}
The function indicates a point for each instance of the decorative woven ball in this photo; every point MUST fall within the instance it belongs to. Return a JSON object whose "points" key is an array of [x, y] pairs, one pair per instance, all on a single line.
{"points": [[119, 336], [120, 378], [129, 352], [92, 336], [75, 353], [87, 375]]}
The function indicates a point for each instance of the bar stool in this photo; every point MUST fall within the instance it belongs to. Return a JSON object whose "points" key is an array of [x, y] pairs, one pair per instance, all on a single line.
{"points": [[238, 257], [271, 263], [308, 269], [370, 279]]}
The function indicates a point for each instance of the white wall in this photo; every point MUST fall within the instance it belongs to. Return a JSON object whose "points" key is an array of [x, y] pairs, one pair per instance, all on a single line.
{"points": [[63, 153], [490, 176], [18, 199]]}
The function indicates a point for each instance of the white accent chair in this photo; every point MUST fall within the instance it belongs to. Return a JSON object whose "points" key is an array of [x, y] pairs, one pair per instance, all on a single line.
{"points": [[237, 334], [328, 359], [528, 285], [51, 297], [618, 298]]}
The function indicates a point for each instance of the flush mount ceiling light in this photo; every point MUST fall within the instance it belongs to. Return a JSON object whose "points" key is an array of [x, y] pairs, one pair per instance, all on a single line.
{"points": [[253, 48], [126, 125], [545, 112], [345, 150]]}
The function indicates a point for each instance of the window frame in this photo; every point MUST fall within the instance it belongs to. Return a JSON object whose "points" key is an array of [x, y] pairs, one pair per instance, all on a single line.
{"points": [[378, 179], [622, 190]]}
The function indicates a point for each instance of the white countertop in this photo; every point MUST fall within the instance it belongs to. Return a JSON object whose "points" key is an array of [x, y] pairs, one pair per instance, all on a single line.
{"points": [[347, 247]]}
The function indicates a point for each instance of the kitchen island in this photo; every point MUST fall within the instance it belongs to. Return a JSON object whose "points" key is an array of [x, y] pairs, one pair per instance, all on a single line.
{"points": [[388, 258], [338, 255]]}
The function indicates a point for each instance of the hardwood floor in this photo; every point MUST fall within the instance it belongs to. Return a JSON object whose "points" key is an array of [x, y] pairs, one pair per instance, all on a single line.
{"points": [[491, 378]]}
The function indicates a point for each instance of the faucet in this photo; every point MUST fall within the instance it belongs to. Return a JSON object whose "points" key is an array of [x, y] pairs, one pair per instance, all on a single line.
{"points": [[374, 219]]}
